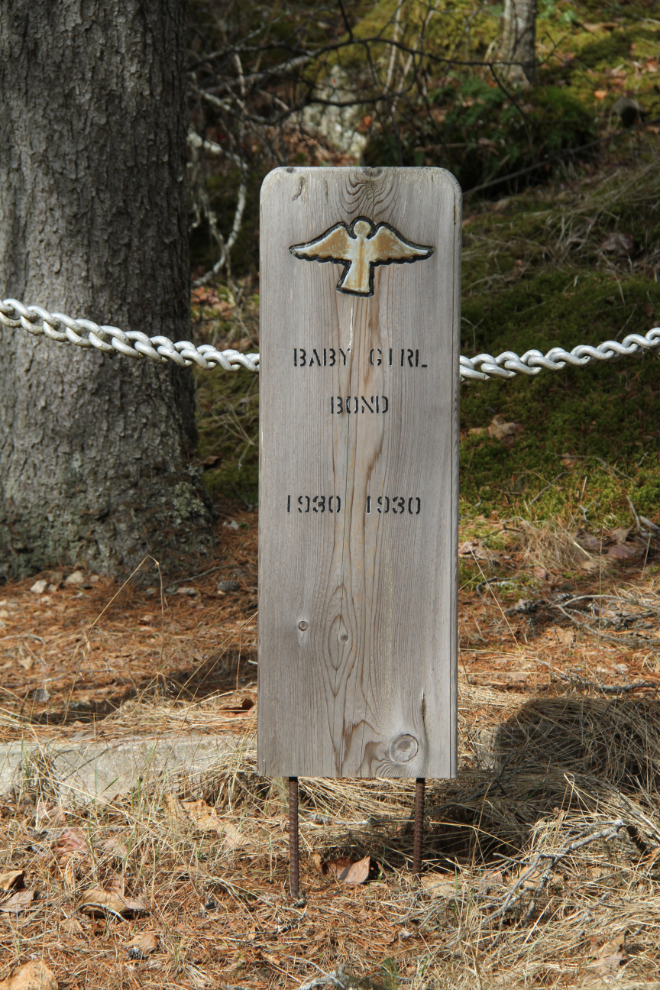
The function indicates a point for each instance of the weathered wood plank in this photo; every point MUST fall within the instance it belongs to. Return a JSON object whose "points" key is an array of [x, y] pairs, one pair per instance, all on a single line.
{"points": [[358, 495]]}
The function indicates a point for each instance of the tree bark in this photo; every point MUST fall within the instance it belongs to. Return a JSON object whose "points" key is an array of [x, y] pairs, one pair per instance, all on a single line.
{"points": [[94, 449], [518, 41]]}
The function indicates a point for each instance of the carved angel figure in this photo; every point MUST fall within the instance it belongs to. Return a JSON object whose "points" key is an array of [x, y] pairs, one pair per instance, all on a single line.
{"points": [[359, 248]]}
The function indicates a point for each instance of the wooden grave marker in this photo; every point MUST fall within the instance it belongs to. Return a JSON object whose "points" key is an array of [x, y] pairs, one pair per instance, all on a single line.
{"points": [[358, 494]]}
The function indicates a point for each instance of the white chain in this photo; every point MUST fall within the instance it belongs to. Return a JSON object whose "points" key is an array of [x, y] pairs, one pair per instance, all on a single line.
{"points": [[507, 364], [134, 343]]}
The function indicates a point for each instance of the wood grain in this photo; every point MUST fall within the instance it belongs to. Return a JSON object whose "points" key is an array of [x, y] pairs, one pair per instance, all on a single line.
{"points": [[357, 609]]}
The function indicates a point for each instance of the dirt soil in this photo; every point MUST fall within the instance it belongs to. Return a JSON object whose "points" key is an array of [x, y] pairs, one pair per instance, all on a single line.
{"points": [[539, 859]]}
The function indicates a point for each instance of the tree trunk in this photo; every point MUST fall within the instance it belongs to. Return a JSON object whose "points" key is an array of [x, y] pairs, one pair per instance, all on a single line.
{"points": [[94, 449], [518, 40]]}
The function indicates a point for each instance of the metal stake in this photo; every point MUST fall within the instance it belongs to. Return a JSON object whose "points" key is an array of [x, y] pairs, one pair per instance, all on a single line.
{"points": [[418, 834], [294, 863]]}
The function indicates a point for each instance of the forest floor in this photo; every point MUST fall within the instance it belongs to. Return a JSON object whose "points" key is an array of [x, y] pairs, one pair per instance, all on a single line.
{"points": [[540, 858]]}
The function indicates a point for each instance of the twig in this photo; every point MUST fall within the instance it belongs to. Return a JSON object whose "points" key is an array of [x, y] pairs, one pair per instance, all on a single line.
{"points": [[514, 895], [586, 627], [338, 978], [583, 682], [548, 486]]}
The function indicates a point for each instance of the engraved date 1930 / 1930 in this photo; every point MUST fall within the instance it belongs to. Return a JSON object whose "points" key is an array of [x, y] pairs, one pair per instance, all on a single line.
{"points": [[314, 503], [396, 505]]}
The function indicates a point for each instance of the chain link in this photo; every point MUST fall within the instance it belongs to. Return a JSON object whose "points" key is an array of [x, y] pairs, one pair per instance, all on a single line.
{"points": [[112, 340], [507, 364], [135, 344]]}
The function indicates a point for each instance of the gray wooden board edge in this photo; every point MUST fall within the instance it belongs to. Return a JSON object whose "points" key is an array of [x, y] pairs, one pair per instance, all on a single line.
{"points": [[357, 608]]}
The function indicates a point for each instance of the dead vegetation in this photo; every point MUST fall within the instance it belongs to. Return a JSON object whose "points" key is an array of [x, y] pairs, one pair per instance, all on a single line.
{"points": [[540, 858]]}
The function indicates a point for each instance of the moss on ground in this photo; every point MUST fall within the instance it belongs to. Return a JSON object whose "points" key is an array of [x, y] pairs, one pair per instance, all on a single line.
{"points": [[572, 261], [537, 275]]}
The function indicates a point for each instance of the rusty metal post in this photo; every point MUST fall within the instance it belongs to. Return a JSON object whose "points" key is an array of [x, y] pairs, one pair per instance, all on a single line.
{"points": [[418, 834], [294, 862]]}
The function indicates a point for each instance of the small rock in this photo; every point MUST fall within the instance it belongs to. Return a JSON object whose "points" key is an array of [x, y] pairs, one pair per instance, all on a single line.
{"points": [[41, 695], [172, 590], [225, 586], [186, 591], [76, 578], [94, 579], [150, 592], [4, 614], [231, 525], [39, 587]]}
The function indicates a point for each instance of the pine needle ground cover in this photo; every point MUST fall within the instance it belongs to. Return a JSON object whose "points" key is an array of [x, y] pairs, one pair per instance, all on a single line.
{"points": [[540, 858]]}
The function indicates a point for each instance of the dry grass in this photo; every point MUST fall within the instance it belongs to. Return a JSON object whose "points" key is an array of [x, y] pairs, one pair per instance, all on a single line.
{"points": [[539, 854]]}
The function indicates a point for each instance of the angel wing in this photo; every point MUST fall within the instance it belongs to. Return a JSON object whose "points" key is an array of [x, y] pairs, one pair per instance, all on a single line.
{"points": [[335, 245], [386, 246]]}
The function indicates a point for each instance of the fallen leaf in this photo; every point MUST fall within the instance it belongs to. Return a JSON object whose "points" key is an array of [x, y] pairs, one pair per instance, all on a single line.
{"points": [[564, 636], [604, 26], [206, 819], [231, 837], [202, 815], [71, 926], [609, 964], [619, 535], [614, 945], [439, 888], [50, 814], [70, 878], [142, 945], [20, 901], [588, 541], [174, 808], [653, 855], [356, 873], [621, 244], [568, 461], [499, 429], [611, 956], [26, 663], [333, 867], [113, 847], [33, 975], [12, 880], [541, 573], [600, 94], [103, 902], [474, 549], [70, 842], [623, 551]]}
